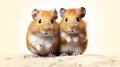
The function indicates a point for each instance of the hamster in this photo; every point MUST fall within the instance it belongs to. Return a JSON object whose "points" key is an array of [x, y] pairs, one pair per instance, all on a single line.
{"points": [[73, 34], [42, 37]]}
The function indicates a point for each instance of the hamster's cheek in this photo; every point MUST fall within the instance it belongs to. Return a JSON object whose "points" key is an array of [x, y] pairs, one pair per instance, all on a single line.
{"points": [[66, 29], [50, 33], [62, 34], [82, 35]]}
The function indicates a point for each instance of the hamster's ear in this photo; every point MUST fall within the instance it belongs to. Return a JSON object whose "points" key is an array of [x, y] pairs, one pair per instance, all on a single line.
{"points": [[55, 13], [82, 11], [34, 13], [62, 11]]}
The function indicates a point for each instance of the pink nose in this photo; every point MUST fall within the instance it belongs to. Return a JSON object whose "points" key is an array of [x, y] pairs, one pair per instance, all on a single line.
{"points": [[47, 29], [72, 26]]}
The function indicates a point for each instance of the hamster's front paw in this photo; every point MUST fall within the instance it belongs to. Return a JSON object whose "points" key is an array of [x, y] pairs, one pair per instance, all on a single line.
{"points": [[38, 47], [68, 39], [64, 54], [34, 55], [51, 55], [75, 39]]}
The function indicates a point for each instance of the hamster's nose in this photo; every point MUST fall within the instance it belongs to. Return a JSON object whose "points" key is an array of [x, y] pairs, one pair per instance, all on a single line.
{"points": [[72, 26], [47, 29]]}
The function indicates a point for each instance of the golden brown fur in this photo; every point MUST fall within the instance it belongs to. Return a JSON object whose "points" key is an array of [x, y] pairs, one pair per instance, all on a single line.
{"points": [[36, 28], [79, 28]]}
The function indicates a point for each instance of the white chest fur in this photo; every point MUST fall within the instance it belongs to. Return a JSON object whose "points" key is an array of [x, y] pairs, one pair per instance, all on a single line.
{"points": [[40, 42], [71, 45]]}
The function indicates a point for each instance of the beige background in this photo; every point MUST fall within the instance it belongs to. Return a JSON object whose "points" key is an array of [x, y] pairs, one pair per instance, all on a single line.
{"points": [[103, 23]]}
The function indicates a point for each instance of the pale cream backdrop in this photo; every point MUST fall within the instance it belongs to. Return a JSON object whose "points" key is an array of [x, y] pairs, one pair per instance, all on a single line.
{"points": [[102, 17]]}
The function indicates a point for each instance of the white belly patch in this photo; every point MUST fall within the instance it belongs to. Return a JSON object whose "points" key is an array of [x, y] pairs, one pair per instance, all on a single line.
{"points": [[40, 42]]}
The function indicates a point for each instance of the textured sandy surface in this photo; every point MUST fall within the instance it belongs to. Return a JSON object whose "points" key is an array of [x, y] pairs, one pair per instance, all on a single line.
{"points": [[66, 61]]}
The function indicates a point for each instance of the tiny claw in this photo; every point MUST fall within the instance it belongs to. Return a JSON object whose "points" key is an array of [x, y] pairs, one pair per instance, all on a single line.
{"points": [[75, 54], [51, 55], [64, 54]]}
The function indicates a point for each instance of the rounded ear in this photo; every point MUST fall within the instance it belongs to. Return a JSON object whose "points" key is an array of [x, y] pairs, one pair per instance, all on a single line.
{"points": [[55, 13], [34, 13], [62, 11], [82, 11]]}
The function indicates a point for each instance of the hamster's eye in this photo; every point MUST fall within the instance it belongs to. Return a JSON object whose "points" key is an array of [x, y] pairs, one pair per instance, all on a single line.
{"points": [[66, 19], [77, 19], [51, 21], [40, 21]]}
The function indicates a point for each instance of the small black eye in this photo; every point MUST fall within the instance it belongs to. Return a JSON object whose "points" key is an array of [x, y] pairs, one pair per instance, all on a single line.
{"points": [[77, 19], [40, 21], [66, 19], [51, 21]]}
